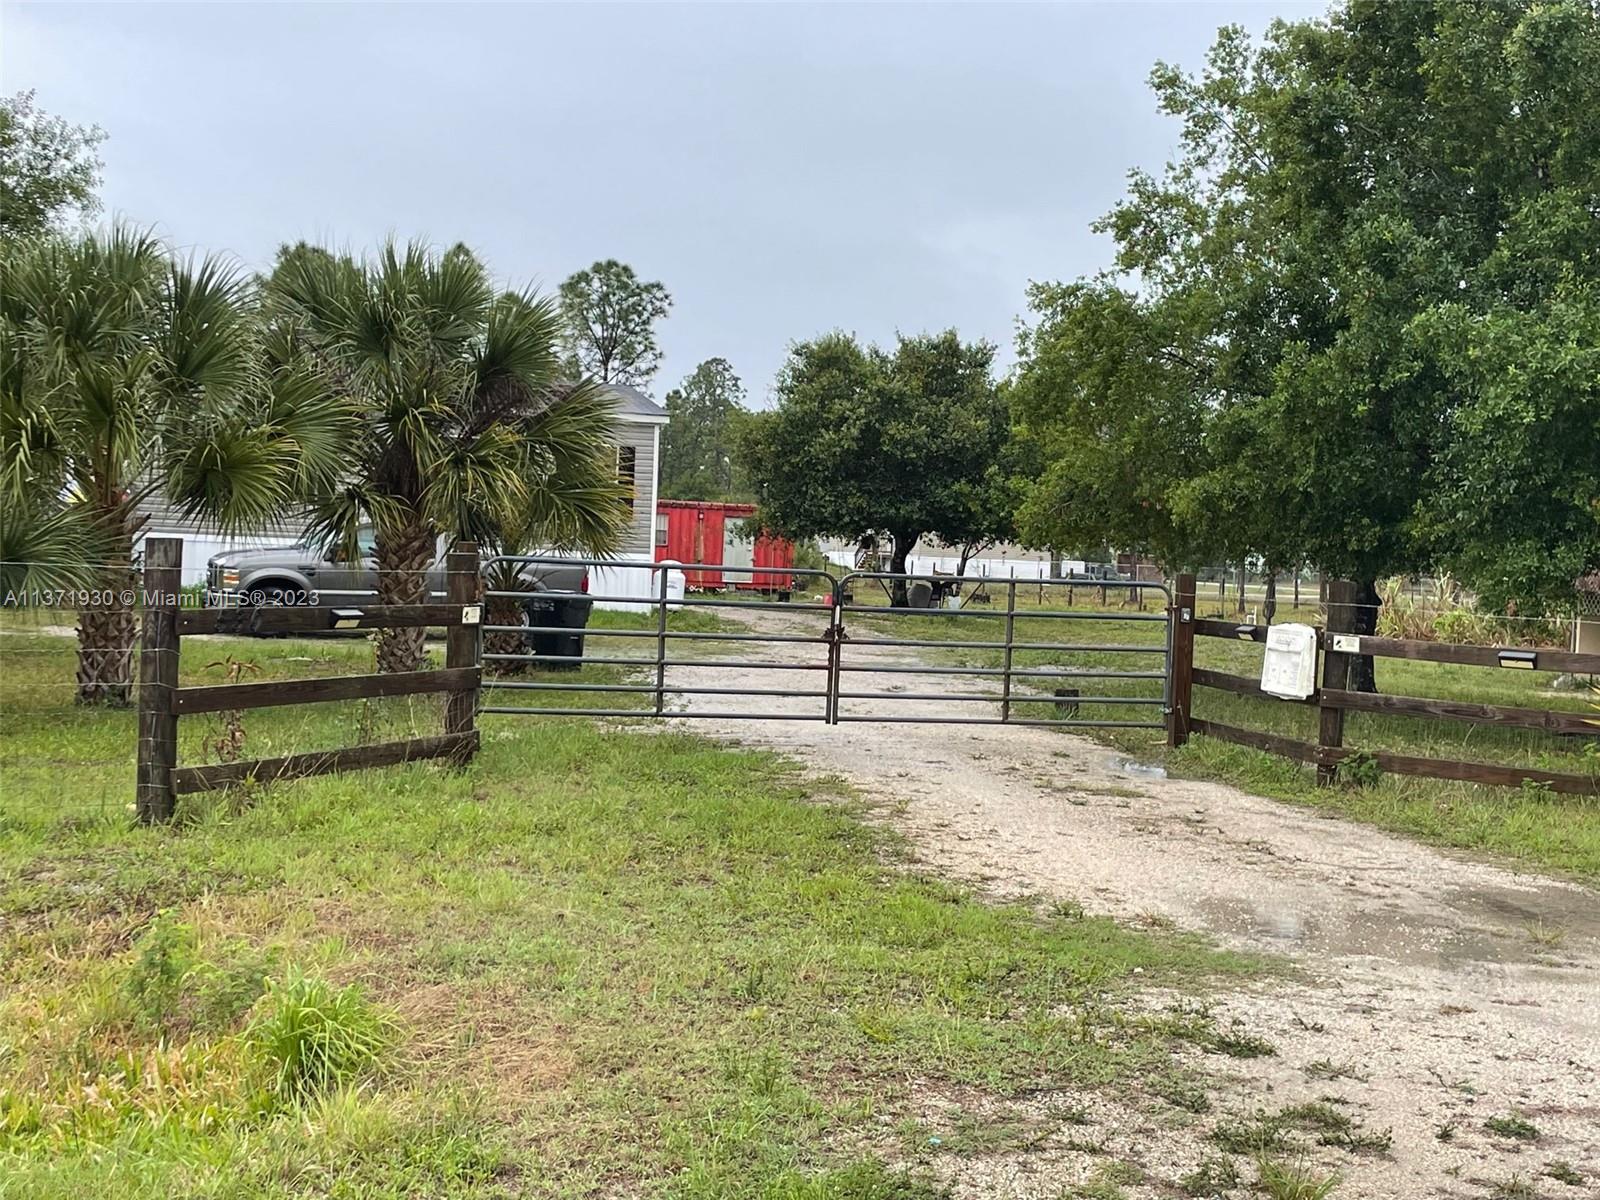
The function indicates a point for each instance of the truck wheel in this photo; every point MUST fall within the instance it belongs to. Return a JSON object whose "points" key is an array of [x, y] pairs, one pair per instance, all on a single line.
{"points": [[277, 595]]}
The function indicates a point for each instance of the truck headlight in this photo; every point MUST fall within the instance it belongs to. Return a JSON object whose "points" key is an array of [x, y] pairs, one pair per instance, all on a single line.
{"points": [[230, 578]]}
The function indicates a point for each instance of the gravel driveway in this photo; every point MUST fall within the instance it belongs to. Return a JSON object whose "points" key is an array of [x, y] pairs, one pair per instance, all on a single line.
{"points": [[1438, 992]]}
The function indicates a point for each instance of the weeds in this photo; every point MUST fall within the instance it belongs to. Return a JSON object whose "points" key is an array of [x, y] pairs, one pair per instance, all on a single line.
{"points": [[1332, 1127], [1190, 1097], [1293, 1181], [1563, 1172], [1213, 1178], [1359, 770], [313, 1038], [1236, 1043], [1326, 1068], [1514, 1188], [163, 959], [1512, 1126], [1107, 1182], [1548, 936], [1264, 1132], [229, 742], [1254, 1135]]}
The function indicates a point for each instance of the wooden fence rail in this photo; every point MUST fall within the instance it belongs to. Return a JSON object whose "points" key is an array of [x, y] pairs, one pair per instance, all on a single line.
{"points": [[1332, 700], [162, 702]]}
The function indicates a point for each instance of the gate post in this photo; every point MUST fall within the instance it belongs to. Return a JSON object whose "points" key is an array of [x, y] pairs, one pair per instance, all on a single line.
{"points": [[462, 644], [1335, 671], [661, 634], [1011, 627], [1181, 620], [834, 636], [158, 678]]}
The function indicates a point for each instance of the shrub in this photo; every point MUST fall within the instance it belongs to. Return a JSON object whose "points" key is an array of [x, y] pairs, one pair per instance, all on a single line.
{"points": [[313, 1037], [1443, 616], [162, 961]]}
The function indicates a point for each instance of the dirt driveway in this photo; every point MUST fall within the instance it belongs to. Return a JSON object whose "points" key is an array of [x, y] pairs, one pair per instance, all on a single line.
{"points": [[1438, 993]]}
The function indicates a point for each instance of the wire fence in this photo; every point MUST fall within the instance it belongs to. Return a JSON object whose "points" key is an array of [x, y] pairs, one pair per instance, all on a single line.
{"points": [[69, 730]]}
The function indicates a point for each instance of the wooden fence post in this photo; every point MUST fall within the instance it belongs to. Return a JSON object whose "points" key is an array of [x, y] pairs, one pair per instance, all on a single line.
{"points": [[1182, 618], [463, 642], [1341, 596], [158, 678]]}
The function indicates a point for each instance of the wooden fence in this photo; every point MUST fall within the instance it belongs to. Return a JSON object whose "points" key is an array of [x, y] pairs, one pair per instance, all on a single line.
{"points": [[162, 702], [1332, 699]]}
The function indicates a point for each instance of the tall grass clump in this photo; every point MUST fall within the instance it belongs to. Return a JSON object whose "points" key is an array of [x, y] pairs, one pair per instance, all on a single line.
{"points": [[1293, 1181], [313, 1037]]}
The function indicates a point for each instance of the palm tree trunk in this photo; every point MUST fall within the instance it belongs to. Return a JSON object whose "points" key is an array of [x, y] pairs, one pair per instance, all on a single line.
{"points": [[105, 644], [107, 628], [505, 610], [403, 557]]}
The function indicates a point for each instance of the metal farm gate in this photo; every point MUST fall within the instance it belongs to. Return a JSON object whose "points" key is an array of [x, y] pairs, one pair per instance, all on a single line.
{"points": [[1029, 660], [828, 654]]}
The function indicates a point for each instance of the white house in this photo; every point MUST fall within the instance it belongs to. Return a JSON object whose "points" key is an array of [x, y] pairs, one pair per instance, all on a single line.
{"points": [[639, 421], [639, 424]]}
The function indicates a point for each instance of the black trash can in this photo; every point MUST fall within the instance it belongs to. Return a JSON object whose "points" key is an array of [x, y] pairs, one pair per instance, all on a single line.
{"points": [[558, 610]]}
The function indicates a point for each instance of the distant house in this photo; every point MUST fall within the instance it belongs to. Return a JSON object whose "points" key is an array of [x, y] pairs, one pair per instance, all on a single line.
{"points": [[639, 421], [639, 424]]}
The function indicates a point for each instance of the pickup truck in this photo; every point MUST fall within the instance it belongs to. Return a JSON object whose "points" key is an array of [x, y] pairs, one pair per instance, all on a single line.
{"points": [[299, 575]]}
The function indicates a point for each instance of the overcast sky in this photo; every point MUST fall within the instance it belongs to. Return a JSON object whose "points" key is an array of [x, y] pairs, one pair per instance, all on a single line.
{"points": [[783, 169]]}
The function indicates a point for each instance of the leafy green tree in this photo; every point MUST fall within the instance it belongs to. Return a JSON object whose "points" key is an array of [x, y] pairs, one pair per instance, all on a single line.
{"points": [[697, 446], [465, 420], [863, 442], [1114, 412], [49, 167], [610, 316], [1371, 218], [124, 372]]}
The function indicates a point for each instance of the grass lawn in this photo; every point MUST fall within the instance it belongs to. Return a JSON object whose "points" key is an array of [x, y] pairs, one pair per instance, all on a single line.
{"points": [[1530, 827], [595, 962]]}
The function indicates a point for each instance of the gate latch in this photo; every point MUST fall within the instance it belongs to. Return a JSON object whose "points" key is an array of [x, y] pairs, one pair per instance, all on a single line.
{"points": [[833, 635]]}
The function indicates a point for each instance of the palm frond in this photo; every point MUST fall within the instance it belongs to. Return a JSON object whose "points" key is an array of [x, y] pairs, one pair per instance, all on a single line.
{"points": [[49, 545]]}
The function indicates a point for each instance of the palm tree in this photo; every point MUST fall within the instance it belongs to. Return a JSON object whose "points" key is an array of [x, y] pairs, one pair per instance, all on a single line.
{"points": [[123, 372], [466, 425], [568, 505]]}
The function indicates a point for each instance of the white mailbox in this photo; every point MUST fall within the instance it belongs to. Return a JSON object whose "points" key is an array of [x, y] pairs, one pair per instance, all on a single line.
{"points": [[1289, 670]]}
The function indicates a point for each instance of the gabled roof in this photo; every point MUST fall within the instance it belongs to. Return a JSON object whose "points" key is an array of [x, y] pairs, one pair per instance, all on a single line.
{"points": [[634, 407]]}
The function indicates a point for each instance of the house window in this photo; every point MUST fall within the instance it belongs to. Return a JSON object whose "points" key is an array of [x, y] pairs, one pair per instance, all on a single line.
{"points": [[661, 529], [627, 465]]}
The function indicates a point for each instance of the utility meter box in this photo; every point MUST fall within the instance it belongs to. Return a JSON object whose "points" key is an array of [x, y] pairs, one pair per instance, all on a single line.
{"points": [[1289, 670]]}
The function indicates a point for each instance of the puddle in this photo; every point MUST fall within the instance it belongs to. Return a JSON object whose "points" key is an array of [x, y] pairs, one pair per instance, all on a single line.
{"points": [[1562, 915], [1385, 934], [1136, 769], [1496, 926]]}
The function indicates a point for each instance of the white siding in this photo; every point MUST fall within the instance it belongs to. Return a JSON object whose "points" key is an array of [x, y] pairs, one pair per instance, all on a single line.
{"points": [[639, 542]]}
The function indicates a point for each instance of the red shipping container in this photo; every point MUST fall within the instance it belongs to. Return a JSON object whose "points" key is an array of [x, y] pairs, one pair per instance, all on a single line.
{"points": [[707, 532]]}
